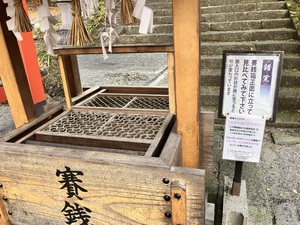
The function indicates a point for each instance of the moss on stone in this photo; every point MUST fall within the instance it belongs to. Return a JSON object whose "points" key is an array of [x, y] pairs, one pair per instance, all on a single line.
{"points": [[294, 8]]}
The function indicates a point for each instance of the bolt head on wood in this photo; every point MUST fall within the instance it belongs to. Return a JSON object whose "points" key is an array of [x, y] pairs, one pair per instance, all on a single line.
{"points": [[167, 198], [166, 181], [168, 214], [177, 196]]}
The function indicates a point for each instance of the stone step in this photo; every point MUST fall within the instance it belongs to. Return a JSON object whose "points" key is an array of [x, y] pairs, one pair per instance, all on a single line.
{"points": [[247, 25], [217, 48], [160, 28], [285, 118], [290, 61], [244, 7], [249, 35], [288, 97], [159, 5], [152, 39], [157, 1], [289, 78], [162, 12], [232, 2], [238, 16], [163, 20]]}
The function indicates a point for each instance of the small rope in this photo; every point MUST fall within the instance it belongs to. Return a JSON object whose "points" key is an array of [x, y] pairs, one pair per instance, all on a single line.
{"points": [[22, 22]]}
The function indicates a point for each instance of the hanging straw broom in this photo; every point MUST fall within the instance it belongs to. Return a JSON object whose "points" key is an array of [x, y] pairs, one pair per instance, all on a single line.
{"points": [[22, 22], [126, 12], [78, 36]]}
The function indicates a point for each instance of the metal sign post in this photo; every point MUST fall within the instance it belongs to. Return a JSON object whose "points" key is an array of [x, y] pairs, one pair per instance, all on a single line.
{"points": [[236, 185]]}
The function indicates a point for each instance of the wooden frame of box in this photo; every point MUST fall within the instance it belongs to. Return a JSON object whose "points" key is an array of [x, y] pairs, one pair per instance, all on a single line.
{"points": [[119, 187], [106, 187]]}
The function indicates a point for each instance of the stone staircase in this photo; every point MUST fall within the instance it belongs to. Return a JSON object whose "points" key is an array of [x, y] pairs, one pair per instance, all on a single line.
{"points": [[162, 30], [259, 25], [262, 25]]}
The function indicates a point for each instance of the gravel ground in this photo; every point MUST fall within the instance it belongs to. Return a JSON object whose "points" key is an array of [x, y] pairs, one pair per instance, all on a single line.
{"points": [[137, 69], [6, 121], [280, 169]]}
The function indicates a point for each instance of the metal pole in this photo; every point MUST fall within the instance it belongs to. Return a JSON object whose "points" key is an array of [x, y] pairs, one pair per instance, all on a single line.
{"points": [[236, 186]]}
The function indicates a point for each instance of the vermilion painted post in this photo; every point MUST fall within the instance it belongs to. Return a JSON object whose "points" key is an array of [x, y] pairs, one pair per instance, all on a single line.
{"points": [[2, 94], [30, 61]]}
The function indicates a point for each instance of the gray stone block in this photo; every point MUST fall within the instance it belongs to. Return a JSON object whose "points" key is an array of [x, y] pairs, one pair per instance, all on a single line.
{"points": [[235, 208]]}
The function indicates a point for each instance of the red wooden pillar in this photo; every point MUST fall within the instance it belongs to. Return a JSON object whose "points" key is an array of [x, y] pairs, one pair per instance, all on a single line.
{"points": [[13, 75], [30, 61], [3, 97]]}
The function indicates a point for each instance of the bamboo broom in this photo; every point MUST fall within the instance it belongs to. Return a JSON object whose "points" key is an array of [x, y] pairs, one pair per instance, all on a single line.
{"points": [[79, 35], [22, 22]]}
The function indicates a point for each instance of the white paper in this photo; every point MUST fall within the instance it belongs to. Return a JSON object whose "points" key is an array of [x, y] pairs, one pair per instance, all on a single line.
{"points": [[111, 31], [109, 4], [10, 11], [243, 137], [138, 9], [18, 36], [43, 11], [8, 1], [113, 18], [54, 37], [245, 84], [66, 15], [104, 34], [146, 25], [11, 23], [110, 14], [49, 48], [50, 38], [44, 24]]}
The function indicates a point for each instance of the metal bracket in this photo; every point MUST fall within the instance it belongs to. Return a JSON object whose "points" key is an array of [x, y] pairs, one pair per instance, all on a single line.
{"points": [[179, 207]]}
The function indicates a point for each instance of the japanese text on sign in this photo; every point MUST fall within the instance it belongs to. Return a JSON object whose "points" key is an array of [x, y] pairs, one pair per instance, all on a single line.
{"points": [[250, 84], [243, 137]]}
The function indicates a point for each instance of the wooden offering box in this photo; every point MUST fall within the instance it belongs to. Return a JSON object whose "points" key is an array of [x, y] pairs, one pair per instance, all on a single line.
{"points": [[96, 168], [114, 158]]}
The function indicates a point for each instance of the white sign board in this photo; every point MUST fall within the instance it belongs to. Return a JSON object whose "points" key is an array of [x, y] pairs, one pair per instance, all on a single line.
{"points": [[243, 137], [250, 83]]}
